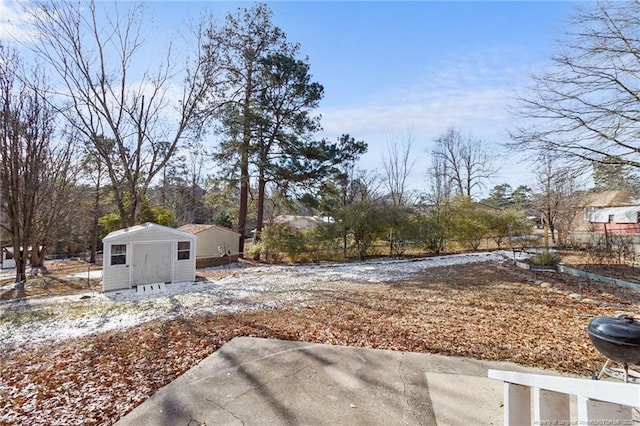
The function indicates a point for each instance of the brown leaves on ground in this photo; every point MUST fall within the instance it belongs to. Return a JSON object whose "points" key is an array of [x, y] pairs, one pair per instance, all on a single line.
{"points": [[479, 311]]}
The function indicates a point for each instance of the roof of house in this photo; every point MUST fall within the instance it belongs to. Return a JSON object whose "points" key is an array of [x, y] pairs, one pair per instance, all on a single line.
{"points": [[196, 228], [285, 218], [615, 214], [300, 222], [141, 229], [611, 199], [485, 206]]}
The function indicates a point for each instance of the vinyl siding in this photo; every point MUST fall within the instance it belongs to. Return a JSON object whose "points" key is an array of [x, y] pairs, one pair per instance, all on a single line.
{"points": [[209, 240], [115, 277]]}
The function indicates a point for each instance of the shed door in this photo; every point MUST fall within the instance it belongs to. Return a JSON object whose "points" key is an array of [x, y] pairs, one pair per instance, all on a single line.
{"points": [[152, 263]]}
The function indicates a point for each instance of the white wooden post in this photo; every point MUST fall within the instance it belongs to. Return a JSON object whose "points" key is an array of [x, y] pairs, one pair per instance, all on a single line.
{"points": [[517, 404], [550, 407], [591, 411]]}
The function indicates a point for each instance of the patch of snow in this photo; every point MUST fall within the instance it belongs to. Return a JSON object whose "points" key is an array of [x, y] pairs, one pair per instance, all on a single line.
{"points": [[93, 274], [36, 320]]}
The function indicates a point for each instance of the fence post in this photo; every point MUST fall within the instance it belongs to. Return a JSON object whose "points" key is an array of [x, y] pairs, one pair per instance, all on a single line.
{"points": [[591, 411], [517, 404], [550, 407]]}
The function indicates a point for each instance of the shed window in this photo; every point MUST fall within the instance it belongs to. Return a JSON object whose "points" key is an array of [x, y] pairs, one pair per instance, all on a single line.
{"points": [[184, 250], [611, 218], [119, 254]]}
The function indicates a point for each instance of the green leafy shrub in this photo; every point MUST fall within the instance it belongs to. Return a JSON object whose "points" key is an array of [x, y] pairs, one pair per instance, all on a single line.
{"points": [[279, 239], [322, 242]]}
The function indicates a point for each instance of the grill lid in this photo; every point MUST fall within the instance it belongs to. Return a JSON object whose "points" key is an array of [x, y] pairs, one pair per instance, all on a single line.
{"points": [[621, 329]]}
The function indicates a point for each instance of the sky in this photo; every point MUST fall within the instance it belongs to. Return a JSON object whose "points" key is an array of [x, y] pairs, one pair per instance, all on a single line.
{"points": [[398, 70]]}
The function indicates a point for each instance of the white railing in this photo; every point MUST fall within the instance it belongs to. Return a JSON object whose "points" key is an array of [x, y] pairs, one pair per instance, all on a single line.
{"points": [[539, 400]]}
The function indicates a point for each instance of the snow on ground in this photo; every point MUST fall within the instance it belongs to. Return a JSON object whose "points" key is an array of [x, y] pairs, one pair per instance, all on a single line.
{"points": [[94, 274], [33, 321]]}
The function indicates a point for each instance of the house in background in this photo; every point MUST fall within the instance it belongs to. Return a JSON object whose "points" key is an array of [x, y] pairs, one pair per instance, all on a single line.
{"points": [[616, 220], [215, 245], [592, 202], [147, 254], [299, 223], [606, 212]]}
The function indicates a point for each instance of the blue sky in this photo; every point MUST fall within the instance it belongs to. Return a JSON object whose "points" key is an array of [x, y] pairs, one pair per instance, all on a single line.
{"points": [[393, 67]]}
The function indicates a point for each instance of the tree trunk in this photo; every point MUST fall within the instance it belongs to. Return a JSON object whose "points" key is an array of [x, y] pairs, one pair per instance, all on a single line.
{"points": [[244, 198], [94, 242], [391, 236], [21, 265], [244, 160], [344, 243], [260, 213], [36, 257], [94, 225]]}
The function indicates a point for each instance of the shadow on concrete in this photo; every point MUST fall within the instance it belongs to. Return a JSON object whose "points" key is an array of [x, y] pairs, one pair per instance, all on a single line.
{"points": [[253, 381]]}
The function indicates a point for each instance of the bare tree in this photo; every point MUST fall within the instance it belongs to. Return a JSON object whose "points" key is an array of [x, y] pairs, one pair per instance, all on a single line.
{"points": [[35, 171], [467, 162], [439, 184], [557, 196], [182, 185], [586, 107], [95, 172], [56, 201], [398, 165], [108, 99]]}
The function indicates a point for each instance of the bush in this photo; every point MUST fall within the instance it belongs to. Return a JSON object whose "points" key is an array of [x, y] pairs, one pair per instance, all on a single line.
{"points": [[321, 243], [276, 240], [545, 258]]}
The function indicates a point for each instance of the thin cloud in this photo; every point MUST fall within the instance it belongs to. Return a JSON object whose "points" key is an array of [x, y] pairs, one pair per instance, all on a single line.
{"points": [[16, 23], [470, 92], [478, 111]]}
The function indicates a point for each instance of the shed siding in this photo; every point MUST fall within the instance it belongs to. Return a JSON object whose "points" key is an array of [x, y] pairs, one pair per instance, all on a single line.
{"points": [[209, 240], [184, 270], [115, 277]]}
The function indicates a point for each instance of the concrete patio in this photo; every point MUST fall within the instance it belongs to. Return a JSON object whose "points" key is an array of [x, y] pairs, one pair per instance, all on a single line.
{"points": [[251, 381]]}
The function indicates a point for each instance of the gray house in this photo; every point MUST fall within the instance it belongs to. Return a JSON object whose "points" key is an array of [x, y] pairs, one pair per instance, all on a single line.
{"points": [[147, 254]]}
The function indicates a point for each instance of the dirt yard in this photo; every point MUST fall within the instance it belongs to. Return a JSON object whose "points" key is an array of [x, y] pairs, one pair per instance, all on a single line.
{"points": [[482, 310], [59, 280]]}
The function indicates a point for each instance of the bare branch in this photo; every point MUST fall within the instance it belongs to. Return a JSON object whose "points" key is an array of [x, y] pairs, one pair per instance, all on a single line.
{"points": [[96, 63], [587, 107]]}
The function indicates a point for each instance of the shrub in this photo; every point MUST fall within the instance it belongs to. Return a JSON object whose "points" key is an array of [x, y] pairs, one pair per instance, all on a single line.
{"points": [[279, 239], [546, 258], [322, 243]]}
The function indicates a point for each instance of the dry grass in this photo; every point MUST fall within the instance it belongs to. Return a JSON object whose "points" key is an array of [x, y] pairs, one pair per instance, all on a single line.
{"points": [[58, 280]]}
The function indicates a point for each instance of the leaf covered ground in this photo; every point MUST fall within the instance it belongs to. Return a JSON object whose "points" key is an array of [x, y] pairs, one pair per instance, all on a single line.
{"points": [[481, 310]]}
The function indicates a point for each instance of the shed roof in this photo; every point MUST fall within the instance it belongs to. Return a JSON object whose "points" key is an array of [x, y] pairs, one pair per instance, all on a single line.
{"points": [[616, 214], [196, 228], [143, 228]]}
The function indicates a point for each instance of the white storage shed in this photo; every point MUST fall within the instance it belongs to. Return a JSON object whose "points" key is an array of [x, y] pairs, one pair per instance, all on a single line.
{"points": [[147, 254]]}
